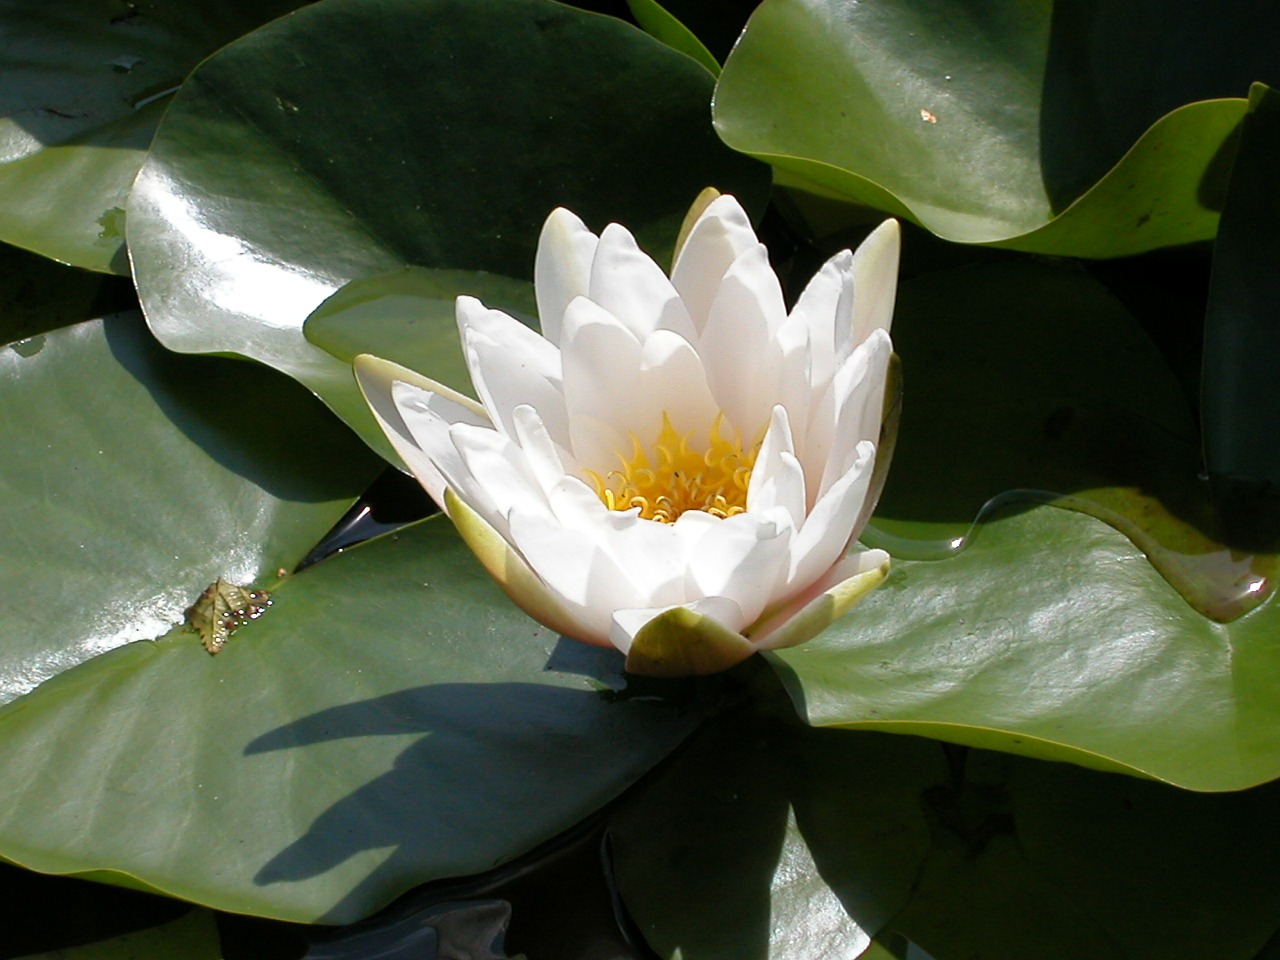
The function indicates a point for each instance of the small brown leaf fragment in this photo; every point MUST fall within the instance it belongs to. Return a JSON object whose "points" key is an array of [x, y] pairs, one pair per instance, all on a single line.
{"points": [[222, 609], [927, 117]]}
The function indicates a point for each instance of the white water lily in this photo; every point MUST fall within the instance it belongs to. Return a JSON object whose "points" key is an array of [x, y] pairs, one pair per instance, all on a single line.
{"points": [[676, 466]]}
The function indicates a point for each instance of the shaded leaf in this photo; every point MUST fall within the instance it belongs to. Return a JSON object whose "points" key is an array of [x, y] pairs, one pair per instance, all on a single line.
{"points": [[193, 936]]}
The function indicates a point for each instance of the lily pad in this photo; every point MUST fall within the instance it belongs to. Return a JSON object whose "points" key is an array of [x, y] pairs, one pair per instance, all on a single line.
{"points": [[764, 841], [361, 136], [1042, 630], [82, 86], [1044, 127], [391, 719], [193, 936], [1242, 330], [133, 478]]}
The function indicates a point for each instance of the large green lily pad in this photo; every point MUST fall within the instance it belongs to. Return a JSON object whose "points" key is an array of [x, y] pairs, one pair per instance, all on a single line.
{"points": [[360, 136], [1086, 129], [764, 841], [1143, 643], [391, 719], [83, 84], [134, 477]]}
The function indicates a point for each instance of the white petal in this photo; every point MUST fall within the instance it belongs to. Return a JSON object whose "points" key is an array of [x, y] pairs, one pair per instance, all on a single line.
{"points": [[500, 475], [571, 563], [424, 443], [505, 379], [654, 556], [777, 479], [741, 558], [628, 622], [825, 306], [602, 373], [548, 460], [627, 283], [672, 381], [738, 344], [716, 240], [535, 351], [561, 268], [859, 388], [829, 527], [875, 286], [813, 610]]}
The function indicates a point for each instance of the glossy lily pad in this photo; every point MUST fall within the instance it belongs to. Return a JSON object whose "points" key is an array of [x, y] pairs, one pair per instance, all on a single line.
{"points": [[360, 136], [83, 84], [762, 841], [133, 478], [391, 719], [1089, 129], [1098, 629]]}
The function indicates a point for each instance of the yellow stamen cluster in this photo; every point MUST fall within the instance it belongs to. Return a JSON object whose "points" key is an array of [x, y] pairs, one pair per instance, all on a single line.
{"points": [[672, 478]]}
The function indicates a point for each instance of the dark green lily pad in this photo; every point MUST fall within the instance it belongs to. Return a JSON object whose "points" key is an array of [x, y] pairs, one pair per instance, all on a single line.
{"points": [[391, 719], [760, 840], [361, 136], [83, 84], [134, 477], [193, 936], [1044, 127]]}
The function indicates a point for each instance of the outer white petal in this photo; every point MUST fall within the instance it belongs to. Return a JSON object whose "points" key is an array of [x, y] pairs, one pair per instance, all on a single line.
{"points": [[504, 381], [561, 268], [627, 283], [875, 285], [741, 558], [500, 475], [829, 527], [535, 352], [812, 611], [719, 236], [777, 480], [825, 306], [629, 622], [859, 386], [379, 380]]}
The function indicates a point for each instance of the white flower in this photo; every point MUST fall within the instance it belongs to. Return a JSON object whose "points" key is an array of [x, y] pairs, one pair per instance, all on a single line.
{"points": [[676, 467]]}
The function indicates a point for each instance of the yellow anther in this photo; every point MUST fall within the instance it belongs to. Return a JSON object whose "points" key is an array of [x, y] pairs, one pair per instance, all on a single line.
{"points": [[671, 478]]}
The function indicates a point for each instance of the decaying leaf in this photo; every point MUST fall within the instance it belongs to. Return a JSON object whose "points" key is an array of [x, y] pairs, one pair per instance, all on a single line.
{"points": [[222, 609]]}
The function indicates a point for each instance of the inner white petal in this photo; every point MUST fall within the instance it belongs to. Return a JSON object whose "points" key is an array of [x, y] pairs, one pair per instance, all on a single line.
{"points": [[561, 268], [627, 283], [719, 236]]}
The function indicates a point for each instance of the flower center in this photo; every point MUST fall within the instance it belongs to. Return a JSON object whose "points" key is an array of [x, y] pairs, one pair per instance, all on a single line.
{"points": [[672, 478]]}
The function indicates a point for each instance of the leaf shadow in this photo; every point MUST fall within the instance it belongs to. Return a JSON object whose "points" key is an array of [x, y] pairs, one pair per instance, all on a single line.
{"points": [[493, 770]]}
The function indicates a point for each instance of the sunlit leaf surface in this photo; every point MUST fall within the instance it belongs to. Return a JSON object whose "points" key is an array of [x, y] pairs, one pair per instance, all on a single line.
{"points": [[1038, 126], [134, 477], [83, 84], [360, 136]]}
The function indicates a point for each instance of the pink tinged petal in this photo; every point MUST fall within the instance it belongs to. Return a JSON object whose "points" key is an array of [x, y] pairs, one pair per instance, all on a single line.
{"points": [[516, 579], [831, 597], [654, 556], [719, 236], [741, 558], [499, 476], [561, 268], [875, 286], [672, 381], [830, 526], [534, 351], [627, 283], [504, 380], [548, 460], [825, 306], [693, 639], [739, 342], [859, 387]]}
